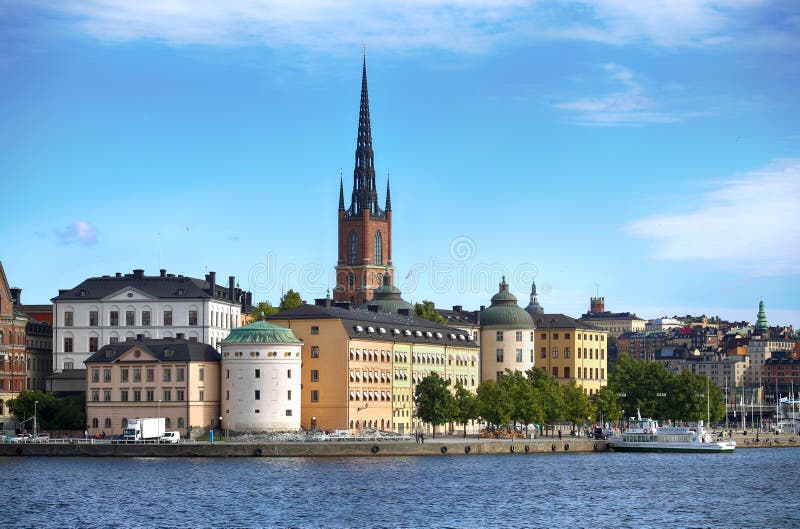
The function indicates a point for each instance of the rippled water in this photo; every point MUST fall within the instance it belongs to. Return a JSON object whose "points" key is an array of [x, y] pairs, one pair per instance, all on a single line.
{"points": [[751, 488]]}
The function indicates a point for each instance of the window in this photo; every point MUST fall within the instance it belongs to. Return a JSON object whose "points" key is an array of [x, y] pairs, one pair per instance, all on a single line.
{"points": [[555, 371], [68, 318], [179, 394], [113, 339], [314, 375], [378, 248], [180, 422], [137, 395], [288, 413], [95, 395], [314, 395], [113, 318], [499, 336], [202, 395], [67, 346], [499, 355], [288, 373], [107, 374], [93, 318], [137, 374], [167, 317], [315, 329], [145, 318], [124, 374], [202, 374], [314, 351], [566, 353], [258, 373], [555, 352], [543, 352], [193, 317], [227, 394], [95, 422], [149, 395], [123, 395], [566, 336], [179, 374], [167, 374], [566, 372], [130, 318], [93, 342], [519, 336], [352, 257], [289, 395], [555, 336], [519, 355], [95, 375], [68, 364], [258, 394], [151, 374], [107, 395], [543, 336]]}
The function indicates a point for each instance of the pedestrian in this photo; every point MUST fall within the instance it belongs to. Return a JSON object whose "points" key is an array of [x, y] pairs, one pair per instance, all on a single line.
{"points": [[86, 434], [559, 434]]}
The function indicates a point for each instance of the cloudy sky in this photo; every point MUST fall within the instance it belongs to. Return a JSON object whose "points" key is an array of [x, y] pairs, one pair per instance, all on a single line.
{"points": [[645, 151]]}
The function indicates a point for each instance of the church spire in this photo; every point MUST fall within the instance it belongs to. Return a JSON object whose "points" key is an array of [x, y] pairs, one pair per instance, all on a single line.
{"points": [[365, 196], [388, 194], [341, 193]]}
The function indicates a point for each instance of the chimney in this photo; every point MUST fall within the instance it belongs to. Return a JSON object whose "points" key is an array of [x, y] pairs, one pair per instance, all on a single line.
{"points": [[211, 277], [457, 308], [483, 307], [118, 274], [62, 291], [249, 296], [140, 337], [231, 287], [162, 272], [404, 312], [16, 295], [138, 273]]}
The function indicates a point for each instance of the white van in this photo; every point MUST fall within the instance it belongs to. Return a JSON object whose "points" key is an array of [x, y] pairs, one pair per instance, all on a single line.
{"points": [[170, 437]]}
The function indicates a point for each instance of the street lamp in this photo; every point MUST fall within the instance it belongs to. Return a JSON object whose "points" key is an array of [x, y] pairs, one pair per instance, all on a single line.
{"points": [[220, 425], [158, 413], [35, 426], [661, 405]]}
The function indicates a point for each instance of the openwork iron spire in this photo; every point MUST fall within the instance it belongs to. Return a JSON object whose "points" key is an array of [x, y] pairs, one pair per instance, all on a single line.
{"points": [[365, 196]]}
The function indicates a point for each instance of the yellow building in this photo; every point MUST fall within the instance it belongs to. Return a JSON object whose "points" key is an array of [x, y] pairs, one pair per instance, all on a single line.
{"points": [[360, 367], [572, 350], [171, 378]]}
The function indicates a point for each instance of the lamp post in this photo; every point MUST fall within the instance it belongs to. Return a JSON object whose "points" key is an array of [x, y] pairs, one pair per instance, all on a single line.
{"points": [[661, 405], [35, 425], [220, 425], [227, 423]]}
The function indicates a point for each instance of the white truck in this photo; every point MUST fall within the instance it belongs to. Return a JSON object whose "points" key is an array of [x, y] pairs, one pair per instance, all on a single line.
{"points": [[144, 429]]}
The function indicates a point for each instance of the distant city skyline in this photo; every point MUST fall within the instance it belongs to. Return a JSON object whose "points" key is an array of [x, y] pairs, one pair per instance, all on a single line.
{"points": [[648, 154]]}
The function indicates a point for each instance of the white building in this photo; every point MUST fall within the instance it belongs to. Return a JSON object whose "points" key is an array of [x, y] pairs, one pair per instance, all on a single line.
{"points": [[260, 374], [662, 324], [111, 309]]}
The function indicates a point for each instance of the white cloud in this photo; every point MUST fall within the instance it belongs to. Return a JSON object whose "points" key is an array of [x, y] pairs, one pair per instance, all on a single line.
{"points": [[460, 25], [79, 232], [751, 222], [629, 106]]}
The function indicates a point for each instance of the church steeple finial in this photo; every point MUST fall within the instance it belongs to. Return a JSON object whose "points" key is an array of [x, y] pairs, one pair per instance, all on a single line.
{"points": [[388, 194], [341, 192]]}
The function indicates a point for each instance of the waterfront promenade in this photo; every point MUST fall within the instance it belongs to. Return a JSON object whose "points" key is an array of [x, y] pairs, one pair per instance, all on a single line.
{"points": [[446, 445]]}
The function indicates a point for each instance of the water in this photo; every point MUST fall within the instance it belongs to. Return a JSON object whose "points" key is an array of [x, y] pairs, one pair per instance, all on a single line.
{"points": [[751, 488]]}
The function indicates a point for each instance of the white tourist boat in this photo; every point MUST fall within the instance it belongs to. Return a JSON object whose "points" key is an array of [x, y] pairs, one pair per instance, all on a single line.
{"points": [[645, 435]]}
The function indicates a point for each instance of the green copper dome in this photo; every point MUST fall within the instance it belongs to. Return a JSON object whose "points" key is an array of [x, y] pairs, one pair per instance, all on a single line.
{"points": [[504, 311], [261, 332], [388, 298], [761, 322]]}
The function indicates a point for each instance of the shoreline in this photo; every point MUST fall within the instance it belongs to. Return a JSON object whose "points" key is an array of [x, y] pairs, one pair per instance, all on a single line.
{"points": [[439, 446]]}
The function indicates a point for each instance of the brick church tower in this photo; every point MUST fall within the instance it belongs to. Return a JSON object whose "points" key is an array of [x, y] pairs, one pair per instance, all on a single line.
{"points": [[365, 230]]}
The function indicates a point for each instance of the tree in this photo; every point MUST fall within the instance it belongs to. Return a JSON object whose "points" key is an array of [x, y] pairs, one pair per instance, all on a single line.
{"points": [[264, 308], [427, 311], [605, 405], [576, 403], [290, 300], [494, 404], [435, 404], [51, 413], [466, 406], [525, 408], [547, 392]]}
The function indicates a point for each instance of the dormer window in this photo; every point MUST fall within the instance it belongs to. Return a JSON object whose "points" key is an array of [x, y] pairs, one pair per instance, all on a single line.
{"points": [[83, 293], [370, 329], [359, 328], [418, 333], [382, 330], [406, 332], [180, 292], [439, 335], [395, 331], [429, 334]]}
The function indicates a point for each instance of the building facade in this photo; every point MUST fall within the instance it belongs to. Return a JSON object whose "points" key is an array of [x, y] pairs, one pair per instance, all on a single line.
{"points": [[13, 353], [112, 309], [360, 368], [261, 375], [38, 341], [172, 378], [507, 336], [365, 230], [615, 323], [572, 350]]}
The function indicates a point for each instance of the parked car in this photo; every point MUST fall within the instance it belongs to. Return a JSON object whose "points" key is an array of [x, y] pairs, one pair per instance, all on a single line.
{"points": [[599, 433], [40, 438], [170, 437], [23, 438]]}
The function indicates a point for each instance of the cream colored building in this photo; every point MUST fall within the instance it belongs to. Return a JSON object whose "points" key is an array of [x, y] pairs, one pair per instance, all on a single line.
{"points": [[507, 336], [360, 367], [569, 350], [261, 379], [170, 378]]}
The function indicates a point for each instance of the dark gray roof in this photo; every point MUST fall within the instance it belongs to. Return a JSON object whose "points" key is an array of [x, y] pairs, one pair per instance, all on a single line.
{"points": [[610, 316], [181, 351], [161, 286], [459, 317], [358, 322], [561, 321]]}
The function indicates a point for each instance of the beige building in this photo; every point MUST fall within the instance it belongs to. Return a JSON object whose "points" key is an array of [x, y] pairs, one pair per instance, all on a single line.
{"points": [[171, 378], [507, 336], [572, 350], [360, 367], [614, 323]]}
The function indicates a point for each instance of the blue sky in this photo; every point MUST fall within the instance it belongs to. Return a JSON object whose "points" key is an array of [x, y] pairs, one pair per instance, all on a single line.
{"points": [[645, 151]]}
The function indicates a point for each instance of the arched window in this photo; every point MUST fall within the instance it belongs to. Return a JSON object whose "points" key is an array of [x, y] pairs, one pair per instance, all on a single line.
{"points": [[180, 422], [378, 248], [124, 422], [351, 279], [107, 423], [95, 422], [353, 253], [1, 336]]}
